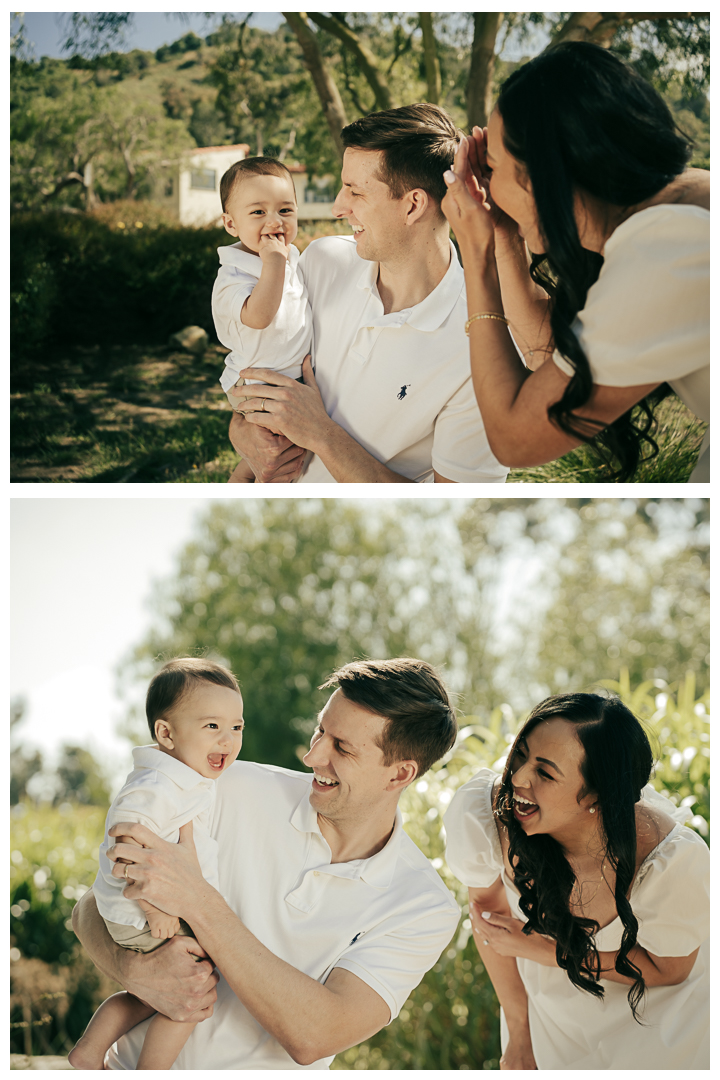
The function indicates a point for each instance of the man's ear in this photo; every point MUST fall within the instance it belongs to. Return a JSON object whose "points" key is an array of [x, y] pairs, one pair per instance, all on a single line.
{"points": [[229, 224], [163, 735], [404, 772], [418, 203]]}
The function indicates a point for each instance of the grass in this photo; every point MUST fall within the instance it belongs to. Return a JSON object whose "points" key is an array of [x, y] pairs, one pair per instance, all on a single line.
{"points": [[679, 435], [143, 415]]}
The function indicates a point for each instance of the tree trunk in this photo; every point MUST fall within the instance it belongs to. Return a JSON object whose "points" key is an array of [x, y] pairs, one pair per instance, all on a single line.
{"points": [[432, 67], [367, 61], [601, 28], [89, 184], [482, 66], [328, 92]]}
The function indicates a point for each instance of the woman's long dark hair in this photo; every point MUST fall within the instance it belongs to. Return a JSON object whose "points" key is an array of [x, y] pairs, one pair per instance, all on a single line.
{"points": [[617, 765], [579, 119]]}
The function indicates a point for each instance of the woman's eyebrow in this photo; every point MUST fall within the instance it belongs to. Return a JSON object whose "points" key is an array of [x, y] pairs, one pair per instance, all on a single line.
{"points": [[546, 761]]}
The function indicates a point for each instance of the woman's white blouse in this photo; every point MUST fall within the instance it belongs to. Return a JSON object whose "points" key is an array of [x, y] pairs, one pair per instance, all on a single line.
{"points": [[670, 897], [647, 317]]}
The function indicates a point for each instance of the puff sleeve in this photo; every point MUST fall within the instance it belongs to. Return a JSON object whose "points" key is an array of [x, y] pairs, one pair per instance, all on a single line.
{"points": [[473, 850], [671, 897]]}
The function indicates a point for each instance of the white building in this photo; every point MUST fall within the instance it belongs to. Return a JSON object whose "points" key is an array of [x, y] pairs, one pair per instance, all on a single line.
{"points": [[191, 192]]}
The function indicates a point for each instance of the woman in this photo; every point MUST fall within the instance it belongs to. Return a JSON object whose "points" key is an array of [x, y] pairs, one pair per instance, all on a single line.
{"points": [[581, 162], [588, 896]]}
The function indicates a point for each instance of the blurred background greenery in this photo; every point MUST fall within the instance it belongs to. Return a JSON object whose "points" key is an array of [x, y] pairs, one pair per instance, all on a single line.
{"points": [[513, 599]]}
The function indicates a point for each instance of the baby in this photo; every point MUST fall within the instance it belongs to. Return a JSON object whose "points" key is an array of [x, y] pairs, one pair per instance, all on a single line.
{"points": [[259, 300], [195, 712]]}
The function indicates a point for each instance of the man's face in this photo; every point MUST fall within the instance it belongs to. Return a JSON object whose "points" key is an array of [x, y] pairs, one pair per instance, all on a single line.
{"points": [[351, 777], [376, 218]]}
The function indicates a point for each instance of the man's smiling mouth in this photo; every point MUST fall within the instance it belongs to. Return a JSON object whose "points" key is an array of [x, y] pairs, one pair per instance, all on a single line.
{"points": [[325, 781]]}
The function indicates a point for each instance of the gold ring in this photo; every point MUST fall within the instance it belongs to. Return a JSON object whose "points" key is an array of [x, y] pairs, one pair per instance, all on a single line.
{"points": [[262, 407], [126, 870]]}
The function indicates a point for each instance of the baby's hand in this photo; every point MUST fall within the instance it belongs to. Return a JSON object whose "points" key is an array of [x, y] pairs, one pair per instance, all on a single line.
{"points": [[162, 925], [271, 245]]}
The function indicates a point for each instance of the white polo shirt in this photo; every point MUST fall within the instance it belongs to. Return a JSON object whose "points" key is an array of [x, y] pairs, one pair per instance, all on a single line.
{"points": [[399, 383], [386, 919], [163, 794], [283, 344]]}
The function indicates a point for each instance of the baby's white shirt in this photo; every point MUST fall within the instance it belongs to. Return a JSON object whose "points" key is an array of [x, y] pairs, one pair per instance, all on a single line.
{"points": [[283, 344], [162, 793]]}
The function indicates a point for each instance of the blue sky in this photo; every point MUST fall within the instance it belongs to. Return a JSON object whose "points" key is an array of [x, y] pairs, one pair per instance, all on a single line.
{"points": [[150, 29]]}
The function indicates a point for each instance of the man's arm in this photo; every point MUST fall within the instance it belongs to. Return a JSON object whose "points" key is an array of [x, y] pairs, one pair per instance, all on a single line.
{"points": [[309, 1019], [172, 979], [297, 410]]}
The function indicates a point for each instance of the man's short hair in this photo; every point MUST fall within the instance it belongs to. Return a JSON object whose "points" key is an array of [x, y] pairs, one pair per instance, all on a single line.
{"points": [[176, 679], [418, 144], [420, 721], [251, 166]]}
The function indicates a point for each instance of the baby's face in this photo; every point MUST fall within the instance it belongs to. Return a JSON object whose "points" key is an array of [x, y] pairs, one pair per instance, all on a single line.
{"points": [[261, 206], [204, 730]]}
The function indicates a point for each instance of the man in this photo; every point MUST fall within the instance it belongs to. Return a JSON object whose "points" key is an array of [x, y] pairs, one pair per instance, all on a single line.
{"points": [[332, 914], [391, 400]]}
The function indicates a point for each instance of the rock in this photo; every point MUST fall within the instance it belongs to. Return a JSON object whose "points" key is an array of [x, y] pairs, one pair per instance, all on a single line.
{"points": [[192, 339]]}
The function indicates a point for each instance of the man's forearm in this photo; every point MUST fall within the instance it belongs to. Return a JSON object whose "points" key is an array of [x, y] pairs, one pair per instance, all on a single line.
{"points": [[308, 1019], [93, 936], [348, 462]]}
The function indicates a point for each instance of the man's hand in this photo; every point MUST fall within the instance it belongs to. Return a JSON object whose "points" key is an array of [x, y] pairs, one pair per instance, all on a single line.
{"points": [[166, 875], [273, 458], [296, 409], [177, 980]]}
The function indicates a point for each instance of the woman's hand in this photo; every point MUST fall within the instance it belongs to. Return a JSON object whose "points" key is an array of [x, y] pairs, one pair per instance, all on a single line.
{"points": [[505, 937], [467, 206], [518, 1053]]}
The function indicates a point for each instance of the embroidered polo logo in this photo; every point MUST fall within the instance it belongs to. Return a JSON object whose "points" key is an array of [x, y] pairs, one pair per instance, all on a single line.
{"points": [[403, 391], [360, 934]]}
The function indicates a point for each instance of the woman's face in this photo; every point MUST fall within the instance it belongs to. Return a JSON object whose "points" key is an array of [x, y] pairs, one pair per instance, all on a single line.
{"points": [[510, 188], [547, 782]]}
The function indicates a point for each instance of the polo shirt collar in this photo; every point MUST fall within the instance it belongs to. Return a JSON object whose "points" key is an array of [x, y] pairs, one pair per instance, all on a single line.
{"points": [[149, 757], [431, 312], [231, 255], [377, 871]]}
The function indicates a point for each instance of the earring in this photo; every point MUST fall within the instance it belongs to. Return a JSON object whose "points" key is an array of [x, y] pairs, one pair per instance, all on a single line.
{"points": [[592, 809]]}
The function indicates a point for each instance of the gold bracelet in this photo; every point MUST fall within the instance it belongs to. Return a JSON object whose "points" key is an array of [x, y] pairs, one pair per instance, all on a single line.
{"points": [[485, 315]]}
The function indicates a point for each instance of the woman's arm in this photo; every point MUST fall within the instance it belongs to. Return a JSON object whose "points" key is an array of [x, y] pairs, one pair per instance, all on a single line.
{"points": [[526, 304], [514, 401], [505, 977], [656, 970], [506, 938]]}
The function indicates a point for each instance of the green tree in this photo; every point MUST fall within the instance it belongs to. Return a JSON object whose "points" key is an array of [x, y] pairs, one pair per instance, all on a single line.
{"points": [[286, 590], [81, 778], [24, 764]]}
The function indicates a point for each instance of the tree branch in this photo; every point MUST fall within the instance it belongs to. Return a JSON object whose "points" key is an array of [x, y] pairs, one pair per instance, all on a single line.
{"points": [[328, 92], [367, 61]]}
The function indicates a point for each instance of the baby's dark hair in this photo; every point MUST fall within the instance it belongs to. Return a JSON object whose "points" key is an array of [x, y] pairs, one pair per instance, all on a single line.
{"points": [[177, 678], [252, 166]]}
